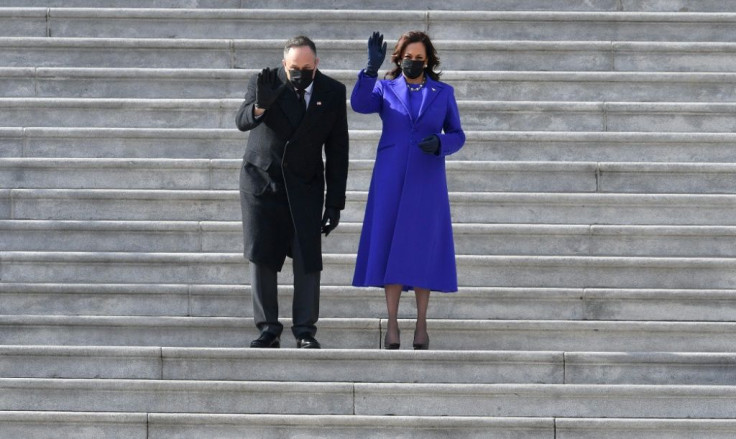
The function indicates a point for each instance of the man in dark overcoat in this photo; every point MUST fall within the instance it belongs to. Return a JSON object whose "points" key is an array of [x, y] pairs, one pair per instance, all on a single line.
{"points": [[292, 112]]}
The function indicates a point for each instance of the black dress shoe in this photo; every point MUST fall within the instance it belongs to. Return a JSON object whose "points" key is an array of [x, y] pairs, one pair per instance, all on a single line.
{"points": [[266, 340], [306, 341]]}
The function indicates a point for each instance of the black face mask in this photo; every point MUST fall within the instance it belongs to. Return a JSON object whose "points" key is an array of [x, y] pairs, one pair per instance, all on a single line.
{"points": [[301, 79], [412, 69]]}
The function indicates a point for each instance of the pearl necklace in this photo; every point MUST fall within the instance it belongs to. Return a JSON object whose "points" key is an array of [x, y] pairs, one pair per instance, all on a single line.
{"points": [[415, 87]]}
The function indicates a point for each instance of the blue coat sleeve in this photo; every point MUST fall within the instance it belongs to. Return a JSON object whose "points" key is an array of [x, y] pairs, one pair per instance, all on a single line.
{"points": [[367, 96], [453, 136]]}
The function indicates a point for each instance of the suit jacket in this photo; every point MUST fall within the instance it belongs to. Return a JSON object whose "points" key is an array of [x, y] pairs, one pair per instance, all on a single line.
{"points": [[282, 134]]}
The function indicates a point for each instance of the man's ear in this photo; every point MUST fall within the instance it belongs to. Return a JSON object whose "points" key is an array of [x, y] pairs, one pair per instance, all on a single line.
{"points": [[316, 64]]}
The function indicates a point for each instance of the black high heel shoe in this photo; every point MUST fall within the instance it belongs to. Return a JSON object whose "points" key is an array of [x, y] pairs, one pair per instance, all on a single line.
{"points": [[421, 346], [391, 346]]}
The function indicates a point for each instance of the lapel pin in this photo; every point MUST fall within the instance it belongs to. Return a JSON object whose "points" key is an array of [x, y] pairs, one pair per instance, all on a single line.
{"points": [[319, 102], [434, 89]]}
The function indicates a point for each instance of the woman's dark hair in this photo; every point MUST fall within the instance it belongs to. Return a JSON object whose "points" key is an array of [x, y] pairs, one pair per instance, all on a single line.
{"points": [[433, 61]]}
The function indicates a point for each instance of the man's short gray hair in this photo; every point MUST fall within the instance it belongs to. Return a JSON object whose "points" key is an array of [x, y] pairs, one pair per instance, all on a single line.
{"points": [[300, 41]]}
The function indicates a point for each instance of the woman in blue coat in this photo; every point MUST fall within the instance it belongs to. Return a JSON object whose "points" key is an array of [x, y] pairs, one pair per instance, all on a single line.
{"points": [[406, 242]]}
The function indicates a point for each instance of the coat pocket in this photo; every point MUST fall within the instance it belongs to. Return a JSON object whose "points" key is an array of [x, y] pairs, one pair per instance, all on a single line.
{"points": [[253, 180], [386, 146]]}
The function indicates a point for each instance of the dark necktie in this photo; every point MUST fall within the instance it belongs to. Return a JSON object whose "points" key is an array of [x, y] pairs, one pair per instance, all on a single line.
{"points": [[302, 102]]}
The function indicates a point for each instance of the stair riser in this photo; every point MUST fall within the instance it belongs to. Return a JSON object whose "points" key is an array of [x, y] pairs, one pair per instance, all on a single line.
{"points": [[502, 57], [475, 5], [578, 242], [523, 209], [548, 402], [68, 23], [231, 144], [227, 85], [209, 114], [175, 397], [460, 178]]}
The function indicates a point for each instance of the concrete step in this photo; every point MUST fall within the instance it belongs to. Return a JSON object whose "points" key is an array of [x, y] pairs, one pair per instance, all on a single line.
{"points": [[349, 54], [510, 303], [470, 239], [349, 365], [463, 5], [480, 145], [161, 396], [354, 333], [89, 425], [473, 271], [462, 176], [545, 400], [476, 115], [370, 366], [329, 23], [479, 208], [499, 400], [473, 85]]}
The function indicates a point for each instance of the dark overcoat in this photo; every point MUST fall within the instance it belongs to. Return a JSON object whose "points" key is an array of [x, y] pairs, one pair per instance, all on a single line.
{"points": [[282, 142], [407, 231]]}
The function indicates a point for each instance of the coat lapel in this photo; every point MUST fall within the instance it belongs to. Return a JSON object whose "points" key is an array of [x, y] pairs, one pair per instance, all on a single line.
{"points": [[288, 101], [398, 86], [432, 90], [316, 105]]}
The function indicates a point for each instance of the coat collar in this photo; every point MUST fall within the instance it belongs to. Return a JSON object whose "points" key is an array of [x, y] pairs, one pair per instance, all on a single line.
{"points": [[398, 85], [288, 100]]}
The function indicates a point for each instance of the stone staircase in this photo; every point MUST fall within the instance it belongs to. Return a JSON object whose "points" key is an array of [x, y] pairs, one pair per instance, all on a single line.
{"points": [[594, 207]]}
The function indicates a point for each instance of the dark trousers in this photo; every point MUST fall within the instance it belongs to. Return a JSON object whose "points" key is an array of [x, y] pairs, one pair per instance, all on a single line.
{"points": [[305, 306]]}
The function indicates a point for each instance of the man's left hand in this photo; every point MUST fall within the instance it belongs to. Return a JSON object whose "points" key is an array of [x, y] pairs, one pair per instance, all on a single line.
{"points": [[331, 216]]}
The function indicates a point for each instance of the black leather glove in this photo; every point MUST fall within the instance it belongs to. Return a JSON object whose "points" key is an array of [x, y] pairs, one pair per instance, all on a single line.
{"points": [[431, 144], [266, 90], [333, 216], [376, 54]]}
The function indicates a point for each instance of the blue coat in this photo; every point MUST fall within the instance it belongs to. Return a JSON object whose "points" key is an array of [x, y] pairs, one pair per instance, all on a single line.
{"points": [[407, 230]]}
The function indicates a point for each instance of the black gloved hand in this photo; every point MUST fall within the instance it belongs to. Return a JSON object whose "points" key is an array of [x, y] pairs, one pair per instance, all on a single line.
{"points": [[266, 90], [431, 144], [376, 54], [333, 216]]}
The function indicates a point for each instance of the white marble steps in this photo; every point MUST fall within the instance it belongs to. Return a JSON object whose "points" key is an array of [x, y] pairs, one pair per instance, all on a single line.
{"points": [[349, 54], [498, 400], [494, 5], [470, 239], [462, 176], [330, 23], [510, 303], [367, 366], [348, 365], [477, 115], [473, 271], [89, 425], [474, 85], [366, 333], [467, 207], [228, 143]]}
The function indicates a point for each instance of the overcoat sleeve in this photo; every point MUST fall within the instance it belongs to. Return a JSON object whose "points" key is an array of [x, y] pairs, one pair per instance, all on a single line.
{"points": [[244, 119], [367, 94], [453, 136], [336, 155]]}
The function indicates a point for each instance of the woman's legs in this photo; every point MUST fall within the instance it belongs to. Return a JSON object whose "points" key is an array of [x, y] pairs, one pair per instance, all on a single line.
{"points": [[393, 295], [420, 334]]}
